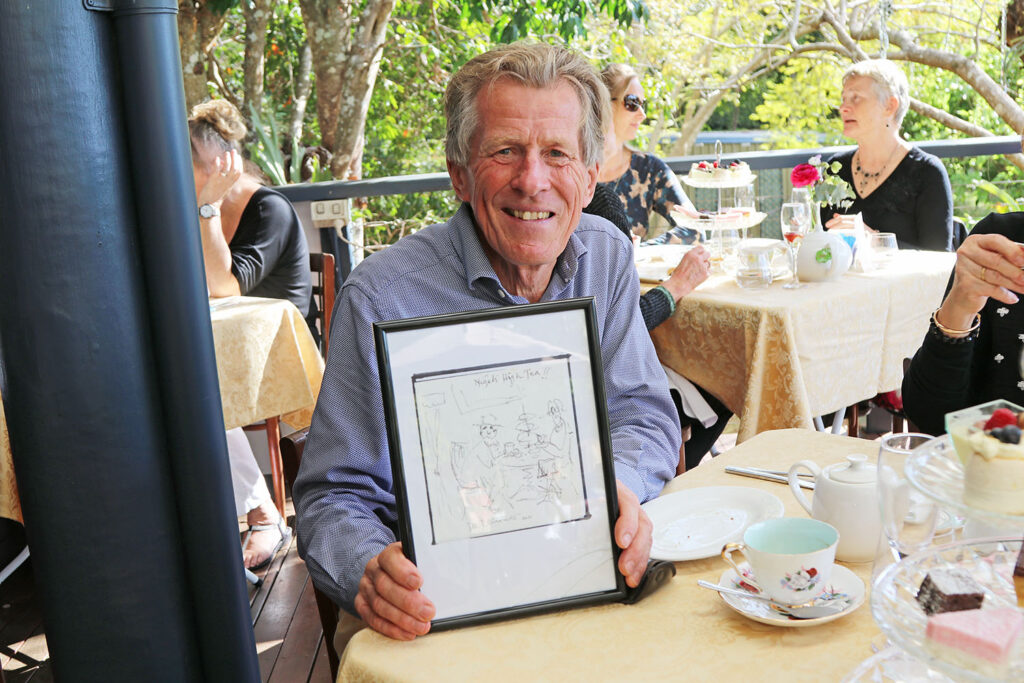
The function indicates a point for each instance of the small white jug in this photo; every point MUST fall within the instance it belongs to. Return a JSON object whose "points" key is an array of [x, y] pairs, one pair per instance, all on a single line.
{"points": [[845, 496]]}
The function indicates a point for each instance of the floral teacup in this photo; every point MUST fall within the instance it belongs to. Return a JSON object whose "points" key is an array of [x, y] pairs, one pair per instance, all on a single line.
{"points": [[791, 557]]}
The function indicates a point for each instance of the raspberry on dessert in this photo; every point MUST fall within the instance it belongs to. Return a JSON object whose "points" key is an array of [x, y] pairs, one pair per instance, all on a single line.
{"points": [[1001, 417]]}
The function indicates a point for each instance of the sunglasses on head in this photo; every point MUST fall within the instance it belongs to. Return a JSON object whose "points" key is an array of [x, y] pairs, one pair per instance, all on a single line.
{"points": [[634, 103]]}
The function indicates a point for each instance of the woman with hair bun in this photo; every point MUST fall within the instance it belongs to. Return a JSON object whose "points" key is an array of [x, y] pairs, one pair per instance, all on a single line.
{"points": [[253, 244]]}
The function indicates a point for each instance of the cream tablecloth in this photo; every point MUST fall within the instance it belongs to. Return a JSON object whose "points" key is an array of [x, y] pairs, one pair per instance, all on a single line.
{"points": [[681, 632], [778, 357], [267, 364]]}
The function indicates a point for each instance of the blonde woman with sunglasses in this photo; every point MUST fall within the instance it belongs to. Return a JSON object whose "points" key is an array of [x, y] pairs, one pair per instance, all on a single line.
{"points": [[642, 181]]}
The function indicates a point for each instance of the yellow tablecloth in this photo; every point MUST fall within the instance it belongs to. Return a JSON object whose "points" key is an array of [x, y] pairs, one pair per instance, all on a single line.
{"points": [[267, 362], [778, 357], [267, 365], [10, 503], [681, 632]]}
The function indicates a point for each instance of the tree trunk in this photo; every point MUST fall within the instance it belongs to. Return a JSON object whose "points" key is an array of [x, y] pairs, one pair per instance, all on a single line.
{"points": [[257, 15], [303, 88], [346, 49], [198, 28], [1014, 23]]}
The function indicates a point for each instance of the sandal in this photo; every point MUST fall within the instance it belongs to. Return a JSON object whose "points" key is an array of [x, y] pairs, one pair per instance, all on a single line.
{"points": [[285, 537]]}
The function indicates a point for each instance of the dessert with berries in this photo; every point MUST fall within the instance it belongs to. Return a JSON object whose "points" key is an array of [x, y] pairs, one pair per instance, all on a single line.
{"points": [[994, 467], [735, 171]]}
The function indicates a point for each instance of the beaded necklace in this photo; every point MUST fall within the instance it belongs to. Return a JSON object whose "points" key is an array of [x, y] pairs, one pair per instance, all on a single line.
{"points": [[865, 178]]}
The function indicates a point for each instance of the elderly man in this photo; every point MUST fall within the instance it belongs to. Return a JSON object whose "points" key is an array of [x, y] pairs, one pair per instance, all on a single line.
{"points": [[524, 139]]}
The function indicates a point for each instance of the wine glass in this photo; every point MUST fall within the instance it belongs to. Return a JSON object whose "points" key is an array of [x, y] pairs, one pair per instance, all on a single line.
{"points": [[796, 219], [883, 248], [908, 516], [744, 197]]}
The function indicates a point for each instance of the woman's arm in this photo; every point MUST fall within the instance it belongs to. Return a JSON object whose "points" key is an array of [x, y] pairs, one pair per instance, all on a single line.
{"points": [[933, 210], [216, 253]]}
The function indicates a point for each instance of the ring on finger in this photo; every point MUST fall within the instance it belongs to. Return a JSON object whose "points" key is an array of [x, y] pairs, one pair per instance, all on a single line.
{"points": [[983, 271]]}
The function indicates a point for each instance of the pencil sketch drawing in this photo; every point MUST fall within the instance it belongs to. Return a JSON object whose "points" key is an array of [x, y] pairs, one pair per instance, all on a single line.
{"points": [[500, 448]]}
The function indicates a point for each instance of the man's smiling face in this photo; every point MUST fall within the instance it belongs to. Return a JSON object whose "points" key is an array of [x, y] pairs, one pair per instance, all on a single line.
{"points": [[526, 181]]}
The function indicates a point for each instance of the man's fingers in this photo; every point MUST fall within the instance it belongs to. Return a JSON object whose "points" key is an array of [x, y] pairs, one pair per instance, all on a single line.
{"points": [[399, 567], [633, 560], [389, 600], [378, 623], [629, 509], [410, 611]]}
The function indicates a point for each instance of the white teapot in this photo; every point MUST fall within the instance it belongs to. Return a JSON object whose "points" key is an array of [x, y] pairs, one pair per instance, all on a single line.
{"points": [[845, 496], [823, 256]]}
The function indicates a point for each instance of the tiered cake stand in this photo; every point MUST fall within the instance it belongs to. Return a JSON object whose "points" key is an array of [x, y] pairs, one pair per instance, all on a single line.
{"points": [[936, 471]]}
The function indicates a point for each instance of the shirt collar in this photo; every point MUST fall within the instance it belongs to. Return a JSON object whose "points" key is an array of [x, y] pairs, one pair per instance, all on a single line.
{"points": [[478, 268]]}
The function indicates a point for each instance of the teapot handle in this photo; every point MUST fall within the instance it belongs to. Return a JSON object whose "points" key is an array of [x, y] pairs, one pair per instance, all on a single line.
{"points": [[794, 482]]}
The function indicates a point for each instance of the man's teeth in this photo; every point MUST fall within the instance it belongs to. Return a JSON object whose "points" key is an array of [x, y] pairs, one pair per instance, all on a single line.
{"points": [[531, 215]]}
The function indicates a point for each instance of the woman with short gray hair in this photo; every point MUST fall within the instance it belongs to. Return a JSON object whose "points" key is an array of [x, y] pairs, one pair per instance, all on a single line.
{"points": [[897, 187]]}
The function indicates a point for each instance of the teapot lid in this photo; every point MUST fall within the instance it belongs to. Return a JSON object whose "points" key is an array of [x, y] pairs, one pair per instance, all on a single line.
{"points": [[856, 470]]}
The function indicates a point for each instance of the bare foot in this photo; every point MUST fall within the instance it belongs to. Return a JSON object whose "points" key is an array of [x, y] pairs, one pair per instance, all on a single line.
{"points": [[261, 543]]}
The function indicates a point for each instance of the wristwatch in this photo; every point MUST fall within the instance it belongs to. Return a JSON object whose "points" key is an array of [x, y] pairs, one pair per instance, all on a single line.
{"points": [[208, 211]]}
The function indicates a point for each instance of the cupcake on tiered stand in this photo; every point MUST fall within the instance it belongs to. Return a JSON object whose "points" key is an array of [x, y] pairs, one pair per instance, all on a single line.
{"points": [[956, 611]]}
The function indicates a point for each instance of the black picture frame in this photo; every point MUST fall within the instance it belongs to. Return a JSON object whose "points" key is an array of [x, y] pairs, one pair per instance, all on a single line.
{"points": [[506, 505]]}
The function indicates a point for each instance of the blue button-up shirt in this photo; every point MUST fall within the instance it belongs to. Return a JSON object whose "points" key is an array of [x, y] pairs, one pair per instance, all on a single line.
{"points": [[345, 507]]}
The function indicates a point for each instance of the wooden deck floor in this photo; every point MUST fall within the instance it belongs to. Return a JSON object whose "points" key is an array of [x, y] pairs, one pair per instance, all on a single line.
{"points": [[285, 622]]}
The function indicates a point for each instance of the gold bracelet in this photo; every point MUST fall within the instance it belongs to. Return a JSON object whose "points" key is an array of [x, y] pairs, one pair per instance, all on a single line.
{"points": [[955, 333]]}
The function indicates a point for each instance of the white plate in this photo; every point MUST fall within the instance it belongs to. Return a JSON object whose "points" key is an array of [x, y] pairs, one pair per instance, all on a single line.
{"points": [[654, 262], [696, 523], [719, 182], [898, 614], [739, 222], [893, 665], [844, 585]]}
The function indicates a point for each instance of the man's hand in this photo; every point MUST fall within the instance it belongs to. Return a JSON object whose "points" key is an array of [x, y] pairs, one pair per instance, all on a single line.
{"points": [[986, 266], [633, 535], [692, 270], [389, 599]]}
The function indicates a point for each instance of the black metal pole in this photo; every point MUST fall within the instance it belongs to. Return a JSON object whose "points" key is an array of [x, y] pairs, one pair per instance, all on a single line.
{"points": [[112, 400], [153, 99]]}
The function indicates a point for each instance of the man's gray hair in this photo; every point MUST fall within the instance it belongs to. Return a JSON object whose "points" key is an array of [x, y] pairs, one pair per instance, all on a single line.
{"points": [[535, 65], [889, 79]]}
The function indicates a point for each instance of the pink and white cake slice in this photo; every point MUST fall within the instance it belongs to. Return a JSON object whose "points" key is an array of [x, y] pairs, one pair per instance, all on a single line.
{"points": [[987, 635]]}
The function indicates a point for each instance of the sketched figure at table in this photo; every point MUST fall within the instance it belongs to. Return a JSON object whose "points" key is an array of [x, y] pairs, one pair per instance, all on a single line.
{"points": [[500, 448]]}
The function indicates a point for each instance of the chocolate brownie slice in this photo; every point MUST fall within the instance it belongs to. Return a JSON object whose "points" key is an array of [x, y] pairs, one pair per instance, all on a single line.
{"points": [[949, 590]]}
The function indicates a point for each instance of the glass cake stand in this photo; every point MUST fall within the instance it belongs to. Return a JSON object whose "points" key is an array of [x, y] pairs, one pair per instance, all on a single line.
{"points": [[719, 183], [896, 611], [935, 470]]}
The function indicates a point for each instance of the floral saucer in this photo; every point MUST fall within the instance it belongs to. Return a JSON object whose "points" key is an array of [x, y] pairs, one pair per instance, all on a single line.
{"points": [[844, 587]]}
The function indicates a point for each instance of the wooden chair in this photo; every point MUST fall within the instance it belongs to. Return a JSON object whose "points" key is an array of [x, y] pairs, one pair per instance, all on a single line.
{"points": [[322, 268], [291, 450]]}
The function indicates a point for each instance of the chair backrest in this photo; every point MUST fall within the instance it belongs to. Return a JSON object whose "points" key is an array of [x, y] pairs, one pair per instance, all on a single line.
{"points": [[322, 267], [959, 234]]}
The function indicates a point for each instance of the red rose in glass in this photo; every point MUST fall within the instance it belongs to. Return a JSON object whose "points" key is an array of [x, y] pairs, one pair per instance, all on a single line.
{"points": [[804, 175]]}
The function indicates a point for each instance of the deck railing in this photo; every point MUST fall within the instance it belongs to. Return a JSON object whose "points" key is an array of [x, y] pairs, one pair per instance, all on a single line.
{"points": [[771, 166]]}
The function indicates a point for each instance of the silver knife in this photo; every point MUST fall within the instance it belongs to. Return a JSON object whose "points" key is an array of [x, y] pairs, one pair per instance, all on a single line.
{"points": [[759, 474]]}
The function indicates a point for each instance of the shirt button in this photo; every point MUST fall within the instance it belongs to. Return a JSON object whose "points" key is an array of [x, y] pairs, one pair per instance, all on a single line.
{"points": [[501, 293]]}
